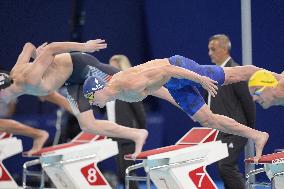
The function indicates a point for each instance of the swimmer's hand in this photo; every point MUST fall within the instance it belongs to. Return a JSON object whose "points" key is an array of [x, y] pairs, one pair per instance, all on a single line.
{"points": [[209, 85], [40, 48], [31, 48], [37, 51], [95, 45]]}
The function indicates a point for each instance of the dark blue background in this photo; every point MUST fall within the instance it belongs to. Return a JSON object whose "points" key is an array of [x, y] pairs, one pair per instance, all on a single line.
{"points": [[149, 29]]}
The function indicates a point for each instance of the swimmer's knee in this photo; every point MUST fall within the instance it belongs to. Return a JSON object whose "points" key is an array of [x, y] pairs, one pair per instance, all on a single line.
{"points": [[91, 126], [84, 127], [209, 121], [83, 124], [205, 122], [87, 128], [13, 122]]}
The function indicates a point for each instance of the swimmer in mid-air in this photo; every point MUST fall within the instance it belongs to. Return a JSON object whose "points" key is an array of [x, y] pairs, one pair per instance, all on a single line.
{"points": [[161, 78], [52, 67]]}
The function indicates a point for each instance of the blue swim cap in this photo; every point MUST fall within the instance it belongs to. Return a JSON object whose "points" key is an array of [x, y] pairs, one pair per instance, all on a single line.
{"points": [[91, 85]]}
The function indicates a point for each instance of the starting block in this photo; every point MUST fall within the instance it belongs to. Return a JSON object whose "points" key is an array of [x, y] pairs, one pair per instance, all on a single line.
{"points": [[73, 165], [9, 146], [183, 165], [273, 166]]}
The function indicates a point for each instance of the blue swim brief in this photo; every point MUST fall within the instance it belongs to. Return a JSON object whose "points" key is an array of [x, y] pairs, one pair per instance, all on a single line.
{"points": [[186, 92]]}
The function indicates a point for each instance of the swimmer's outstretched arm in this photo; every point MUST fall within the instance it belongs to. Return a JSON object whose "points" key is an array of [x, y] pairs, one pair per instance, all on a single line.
{"points": [[48, 52], [242, 73], [26, 54], [65, 47], [165, 69], [159, 73]]}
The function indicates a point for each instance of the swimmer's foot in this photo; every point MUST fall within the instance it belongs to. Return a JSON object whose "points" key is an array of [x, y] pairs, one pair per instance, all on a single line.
{"points": [[38, 142], [260, 142], [139, 142]]}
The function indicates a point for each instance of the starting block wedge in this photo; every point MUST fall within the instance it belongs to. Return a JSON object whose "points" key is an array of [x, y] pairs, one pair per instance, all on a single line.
{"points": [[73, 165], [183, 165]]}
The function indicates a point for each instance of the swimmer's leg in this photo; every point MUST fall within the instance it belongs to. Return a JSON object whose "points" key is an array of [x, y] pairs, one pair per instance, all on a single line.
{"points": [[227, 125], [14, 127]]}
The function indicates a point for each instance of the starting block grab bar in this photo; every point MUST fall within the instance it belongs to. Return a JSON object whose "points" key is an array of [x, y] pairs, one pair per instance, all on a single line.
{"points": [[44, 160], [170, 165], [254, 172]]}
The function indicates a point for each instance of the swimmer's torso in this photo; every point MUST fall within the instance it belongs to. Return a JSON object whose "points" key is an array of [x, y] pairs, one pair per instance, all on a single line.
{"points": [[148, 65], [131, 96], [134, 85], [51, 79]]}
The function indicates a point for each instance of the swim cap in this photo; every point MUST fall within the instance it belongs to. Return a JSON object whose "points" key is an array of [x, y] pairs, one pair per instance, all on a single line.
{"points": [[5, 80], [91, 85], [262, 78]]}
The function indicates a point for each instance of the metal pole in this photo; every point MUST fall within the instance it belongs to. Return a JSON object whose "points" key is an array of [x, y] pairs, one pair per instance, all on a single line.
{"points": [[59, 113], [247, 60], [77, 20], [246, 32]]}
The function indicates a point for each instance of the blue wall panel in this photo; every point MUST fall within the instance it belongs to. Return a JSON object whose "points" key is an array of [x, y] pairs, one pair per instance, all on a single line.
{"points": [[150, 29]]}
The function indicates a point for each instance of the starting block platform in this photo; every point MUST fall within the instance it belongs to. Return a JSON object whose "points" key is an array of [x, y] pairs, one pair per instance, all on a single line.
{"points": [[273, 166], [9, 146], [73, 165], [183, 165]]}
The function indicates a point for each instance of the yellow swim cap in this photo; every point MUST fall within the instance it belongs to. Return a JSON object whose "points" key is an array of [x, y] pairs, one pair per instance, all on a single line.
{"points": [[262, 78]]}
